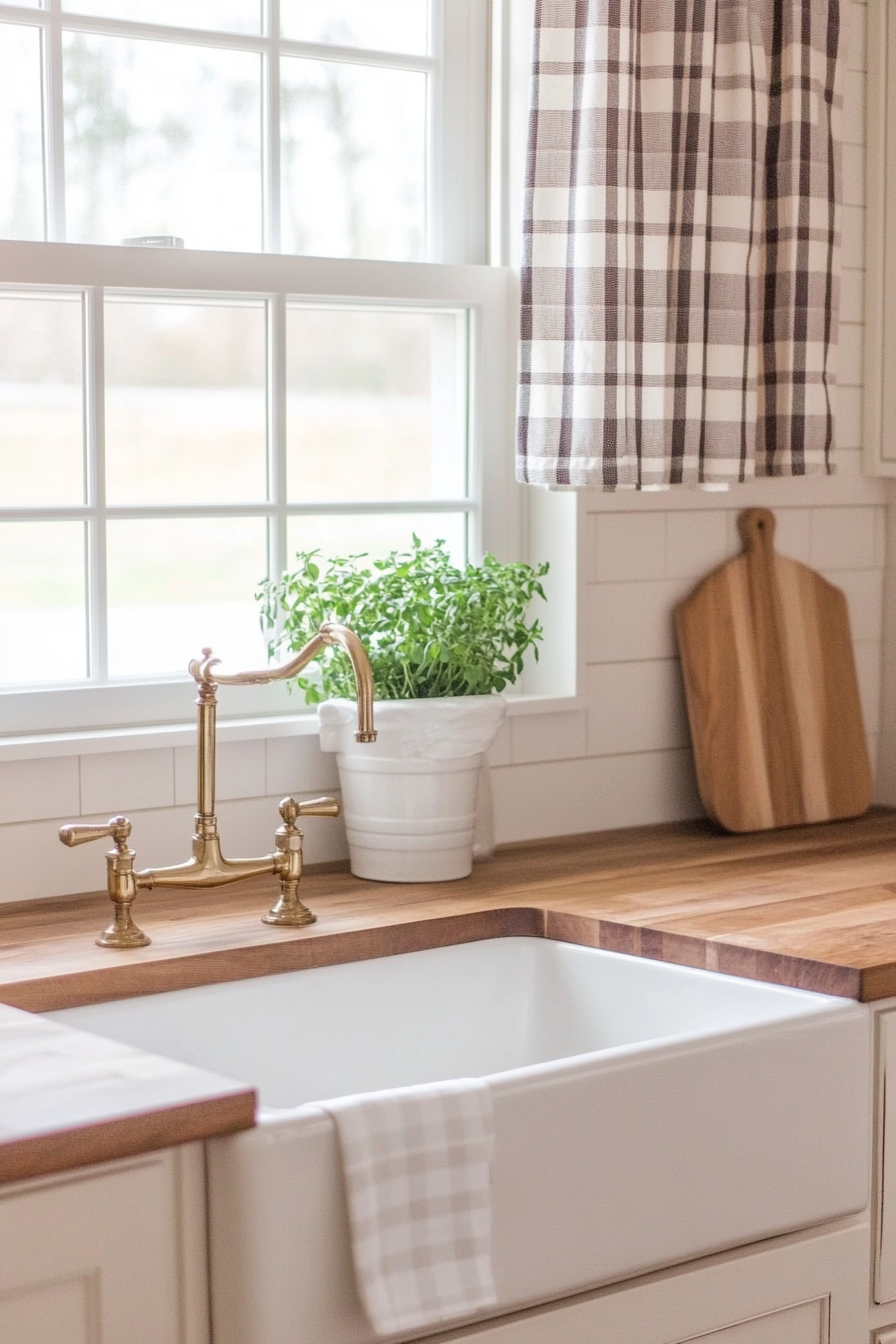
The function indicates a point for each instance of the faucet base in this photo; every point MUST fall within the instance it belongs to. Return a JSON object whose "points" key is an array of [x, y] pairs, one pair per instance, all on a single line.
{"points": [[130, 936], [288, 910], [295, 919]]}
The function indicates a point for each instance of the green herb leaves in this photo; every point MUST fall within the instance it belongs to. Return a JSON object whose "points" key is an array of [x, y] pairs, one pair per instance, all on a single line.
{"points": [[430, 628]]}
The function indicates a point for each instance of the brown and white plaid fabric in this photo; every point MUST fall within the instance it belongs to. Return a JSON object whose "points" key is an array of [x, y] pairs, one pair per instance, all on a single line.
{"points": [[417, 1166], [680, 279]]}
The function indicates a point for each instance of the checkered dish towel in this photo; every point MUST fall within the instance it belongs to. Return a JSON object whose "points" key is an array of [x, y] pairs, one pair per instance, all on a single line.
{"points": [[417, 1165]]}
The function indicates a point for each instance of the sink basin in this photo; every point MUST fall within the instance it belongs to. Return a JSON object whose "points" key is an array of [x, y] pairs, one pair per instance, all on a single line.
{"points": [[645, 1114]]}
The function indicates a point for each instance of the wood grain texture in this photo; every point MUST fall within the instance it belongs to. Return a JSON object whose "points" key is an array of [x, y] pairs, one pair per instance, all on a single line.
{"points": [[812, 906], [82, 1146], [69, 1098], [772, 693]]}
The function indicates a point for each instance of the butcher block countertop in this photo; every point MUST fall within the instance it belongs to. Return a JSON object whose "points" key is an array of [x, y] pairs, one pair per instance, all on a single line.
{"points": [[813, 907]]}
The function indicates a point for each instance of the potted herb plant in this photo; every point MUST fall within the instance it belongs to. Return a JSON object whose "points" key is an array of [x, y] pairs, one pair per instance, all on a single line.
{"points": [[443, 642]]}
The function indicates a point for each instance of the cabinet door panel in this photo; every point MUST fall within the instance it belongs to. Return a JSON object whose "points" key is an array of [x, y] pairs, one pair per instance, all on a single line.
{"points": [[98, 1256], [65, 1312], [885, 1258], [806, 1289], [805, 1324]]}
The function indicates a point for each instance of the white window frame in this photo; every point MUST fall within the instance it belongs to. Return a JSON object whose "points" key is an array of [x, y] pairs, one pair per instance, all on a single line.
{"points": [[484, 292], [458, 148], [457, 67]]}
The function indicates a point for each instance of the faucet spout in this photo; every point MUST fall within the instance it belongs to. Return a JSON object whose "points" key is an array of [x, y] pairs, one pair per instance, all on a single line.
{"points": [[205, 671], [332, 633]]}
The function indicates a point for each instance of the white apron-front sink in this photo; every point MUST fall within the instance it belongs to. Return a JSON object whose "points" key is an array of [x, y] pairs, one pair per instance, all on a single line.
{"points": [[645, 1114]]}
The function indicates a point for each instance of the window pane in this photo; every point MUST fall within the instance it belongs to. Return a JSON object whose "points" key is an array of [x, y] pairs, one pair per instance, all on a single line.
{"points": [[185, 402], [234, 16], [41, 412], [376, 404], [376, 533], [177, 585], [137, 163], [389, 25], [43, 632], [21, 141], [353, 153]]}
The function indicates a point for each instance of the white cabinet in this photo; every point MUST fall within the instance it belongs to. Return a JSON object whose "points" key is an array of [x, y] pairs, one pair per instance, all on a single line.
{"points": [[111, 1254], [804, 1289], [885, 1182]]}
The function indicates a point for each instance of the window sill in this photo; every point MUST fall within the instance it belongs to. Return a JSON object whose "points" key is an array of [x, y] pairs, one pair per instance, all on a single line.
{"points": [[90, 742]]}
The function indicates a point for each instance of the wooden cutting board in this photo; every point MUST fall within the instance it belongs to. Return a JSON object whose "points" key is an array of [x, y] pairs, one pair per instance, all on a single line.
{"points": [[771, 688]]}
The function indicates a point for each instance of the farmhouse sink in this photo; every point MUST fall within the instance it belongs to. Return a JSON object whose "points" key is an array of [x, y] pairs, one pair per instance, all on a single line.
{"points": [[645, 1114]]}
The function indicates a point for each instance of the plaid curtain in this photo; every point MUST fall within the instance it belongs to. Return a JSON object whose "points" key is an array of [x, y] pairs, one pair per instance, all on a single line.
{"points": [[682, 233]]}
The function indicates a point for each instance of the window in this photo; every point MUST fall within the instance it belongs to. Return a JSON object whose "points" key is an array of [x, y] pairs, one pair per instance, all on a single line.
{"points": [[278, 372]]}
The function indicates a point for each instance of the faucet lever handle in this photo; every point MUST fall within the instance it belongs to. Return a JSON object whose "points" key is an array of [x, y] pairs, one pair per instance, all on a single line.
{"points": [[79, 833], [290, 810], [320, 807]]}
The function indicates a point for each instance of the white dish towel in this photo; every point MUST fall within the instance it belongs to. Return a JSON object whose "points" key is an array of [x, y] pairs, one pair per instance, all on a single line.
{"points": [[417, 1164]]}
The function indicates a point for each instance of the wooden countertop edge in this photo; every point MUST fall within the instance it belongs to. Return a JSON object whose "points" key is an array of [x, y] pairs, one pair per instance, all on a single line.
{"points": [[126, 1136], [104, 984], [705, 954], [100, 985]]}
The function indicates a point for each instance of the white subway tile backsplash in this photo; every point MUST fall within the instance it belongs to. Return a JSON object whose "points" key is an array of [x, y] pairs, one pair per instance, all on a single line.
{"points": [[853, 175], [548, 737], [635, 707], [117, 781], [848, 425], [625, 622], [852, 335], [239, 772], [868, 671], [296, 765], [853, 236], [864, 595], [501, 750], [629, 547], [30, 790], [852, 296], [856, 58], [697, 543], [853, 108], [61, 871], [849, 463], [793, 533], [880, 537], [593, 794], [844, 538]]}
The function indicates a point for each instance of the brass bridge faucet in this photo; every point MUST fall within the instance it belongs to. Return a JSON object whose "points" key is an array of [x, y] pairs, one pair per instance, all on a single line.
{"points": [[207, 867]]}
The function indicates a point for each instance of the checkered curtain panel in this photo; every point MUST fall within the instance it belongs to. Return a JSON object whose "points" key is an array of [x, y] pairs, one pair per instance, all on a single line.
{"points": [[682, 234]]}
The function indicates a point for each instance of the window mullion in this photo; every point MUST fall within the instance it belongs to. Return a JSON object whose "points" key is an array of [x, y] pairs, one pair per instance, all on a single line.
{"points": [[54, 123], [436, 186], [271, 130], [95, 403], [277, 540]]}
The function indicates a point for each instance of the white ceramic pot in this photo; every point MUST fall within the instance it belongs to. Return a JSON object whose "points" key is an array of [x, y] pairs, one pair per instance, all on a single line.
{"points": [[409, 799]]}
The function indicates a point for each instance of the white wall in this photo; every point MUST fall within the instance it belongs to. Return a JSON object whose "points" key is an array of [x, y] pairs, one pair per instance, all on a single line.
{"points": [[618, 755]]}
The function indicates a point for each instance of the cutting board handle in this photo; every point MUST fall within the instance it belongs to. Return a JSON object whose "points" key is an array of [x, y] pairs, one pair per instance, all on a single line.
{"points": [[757, 530]]}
